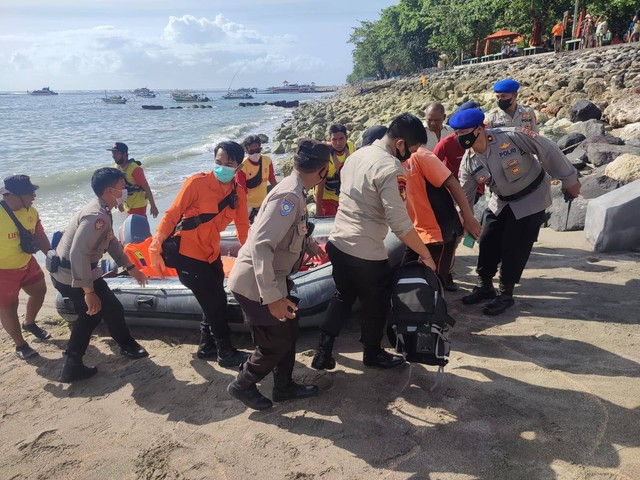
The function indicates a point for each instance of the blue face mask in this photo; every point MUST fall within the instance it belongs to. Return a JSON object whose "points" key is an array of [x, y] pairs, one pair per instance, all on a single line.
{"points": [[223, 173]]}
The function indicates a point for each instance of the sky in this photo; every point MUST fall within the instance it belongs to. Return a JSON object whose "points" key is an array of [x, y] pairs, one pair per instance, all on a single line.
{"points": [[177, 44]]}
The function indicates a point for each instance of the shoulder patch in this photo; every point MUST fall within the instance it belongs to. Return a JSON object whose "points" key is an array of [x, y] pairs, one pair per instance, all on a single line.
{"points": [[402, 186], [99, 224], [286, 207], [527, 131]]}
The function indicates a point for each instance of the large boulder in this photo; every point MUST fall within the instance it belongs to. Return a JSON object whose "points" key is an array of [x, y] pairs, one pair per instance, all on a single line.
{"points": [[566, 216], [625, 168], [590, 128], [279, 149], [602, 153], [625, 109], [628, 132], [584, 110], [597, 184], [569, 142], [611, 222]]}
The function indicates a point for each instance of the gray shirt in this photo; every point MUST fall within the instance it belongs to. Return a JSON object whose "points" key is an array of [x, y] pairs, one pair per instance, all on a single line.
{"points": [[523, 117], [509, 166], [88, 236], [372, 200], [275, 245]]}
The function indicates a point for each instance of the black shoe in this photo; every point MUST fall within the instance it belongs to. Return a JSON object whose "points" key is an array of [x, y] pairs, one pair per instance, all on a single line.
{"points": [[251, 396], [233, 359], [478, 294], [498, 305], [382, 359], [207, 350], [450, 285], [293, 391], [24, 352], [133, 351], [36, 331], [322, 360], [74, 370]]}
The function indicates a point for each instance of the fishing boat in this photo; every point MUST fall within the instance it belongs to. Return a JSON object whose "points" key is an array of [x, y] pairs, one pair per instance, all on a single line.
{"points": [[242, 94], [114, 99], [291, 88], [165, 302], [144, 92], [43, 92], [186, 97]]}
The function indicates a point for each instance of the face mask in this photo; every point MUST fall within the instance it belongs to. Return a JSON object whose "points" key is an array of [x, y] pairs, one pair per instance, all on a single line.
{"points": [[223, 173], [122, 198], [407, 153], [504, 103], [467, 140], [254, 157]]}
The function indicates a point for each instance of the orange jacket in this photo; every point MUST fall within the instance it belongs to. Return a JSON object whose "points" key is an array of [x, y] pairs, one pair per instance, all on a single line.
{"points": [[201, 193], [557, 30]]}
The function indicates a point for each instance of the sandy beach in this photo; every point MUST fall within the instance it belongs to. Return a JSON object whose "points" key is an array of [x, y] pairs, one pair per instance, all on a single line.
{"points": [[550, 389]]}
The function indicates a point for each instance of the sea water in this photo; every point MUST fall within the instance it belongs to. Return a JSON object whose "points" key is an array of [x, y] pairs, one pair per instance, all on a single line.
{"points": [[60, 140]]}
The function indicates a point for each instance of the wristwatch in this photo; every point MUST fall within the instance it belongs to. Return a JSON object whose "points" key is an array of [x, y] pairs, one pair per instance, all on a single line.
{"points": [[130, 267]]}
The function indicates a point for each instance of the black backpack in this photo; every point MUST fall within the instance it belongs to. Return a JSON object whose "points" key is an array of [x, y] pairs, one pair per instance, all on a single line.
{"points": [[419, 318]]}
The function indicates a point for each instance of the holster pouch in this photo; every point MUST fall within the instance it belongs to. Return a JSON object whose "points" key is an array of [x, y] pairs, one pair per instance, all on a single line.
{"points": [[52, 262]]}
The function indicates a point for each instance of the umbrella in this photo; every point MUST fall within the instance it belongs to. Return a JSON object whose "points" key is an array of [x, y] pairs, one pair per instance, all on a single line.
{"points": [[496, 36]]}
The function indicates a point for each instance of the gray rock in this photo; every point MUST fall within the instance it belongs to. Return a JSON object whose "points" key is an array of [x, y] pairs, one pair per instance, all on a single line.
{"points": [[279, 148], [263, 138], [611, 222], [569, 142], [561, 217], [578, 158], [589, 128], [602, 153], [625, 168], [584, 110], [597, 184]]}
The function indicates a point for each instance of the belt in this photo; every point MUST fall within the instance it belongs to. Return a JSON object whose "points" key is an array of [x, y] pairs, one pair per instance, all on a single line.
{"points": [[64, 263], [526, 190]]}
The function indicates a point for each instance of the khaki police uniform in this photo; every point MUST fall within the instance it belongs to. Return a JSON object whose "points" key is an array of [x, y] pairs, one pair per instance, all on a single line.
{"points": [[524, 117], [521, 191], [86, 239], [372, 200], [274, 250]]}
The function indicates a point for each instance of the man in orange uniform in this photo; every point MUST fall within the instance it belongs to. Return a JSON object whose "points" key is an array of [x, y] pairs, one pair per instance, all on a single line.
{"points": [[328, 191], [430, 188], [557, 31], [19, 269], [199, 263], [254, 173]]}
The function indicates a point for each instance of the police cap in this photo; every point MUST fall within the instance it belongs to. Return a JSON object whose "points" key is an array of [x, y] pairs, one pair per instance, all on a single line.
{"points": [[468, 105], [469, 118], [508, 85]]}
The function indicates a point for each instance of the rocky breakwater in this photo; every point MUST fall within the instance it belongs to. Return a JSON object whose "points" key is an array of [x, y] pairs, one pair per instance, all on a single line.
{"points": [[588, 101]]}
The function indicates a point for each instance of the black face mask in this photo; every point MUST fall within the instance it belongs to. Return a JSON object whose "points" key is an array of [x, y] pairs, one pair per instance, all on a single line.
{"points": [[505, 103], [467, 140], [407, 153]]}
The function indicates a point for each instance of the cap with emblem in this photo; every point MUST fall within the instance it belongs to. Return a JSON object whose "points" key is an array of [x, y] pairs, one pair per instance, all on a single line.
{"points": [[469, 118], [119, 147], [18, 185], [508, 85]]}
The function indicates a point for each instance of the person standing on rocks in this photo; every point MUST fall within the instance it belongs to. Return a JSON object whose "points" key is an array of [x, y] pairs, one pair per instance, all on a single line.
{"points": [[434, 117], [19, 269], [521, 191], [254, 173], [372, 200], [328, 191], [509, 112], [557, 31]]}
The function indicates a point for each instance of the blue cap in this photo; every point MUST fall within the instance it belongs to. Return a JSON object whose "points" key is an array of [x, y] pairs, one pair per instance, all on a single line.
{"points": [[469, 118], [508, 85], [468, 105]]}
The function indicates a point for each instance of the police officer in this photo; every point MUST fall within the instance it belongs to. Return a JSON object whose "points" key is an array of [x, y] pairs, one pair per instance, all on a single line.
{"points": [[87, 237], [259, 280], [372, 200], [509, 112], [521, 191]]}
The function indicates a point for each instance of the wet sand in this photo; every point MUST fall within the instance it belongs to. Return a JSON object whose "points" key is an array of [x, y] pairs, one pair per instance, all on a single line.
{"points": [[550, 389]]}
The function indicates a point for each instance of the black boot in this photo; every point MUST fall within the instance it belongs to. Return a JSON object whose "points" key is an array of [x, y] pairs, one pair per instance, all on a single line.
{"points": [[502, 301], [449, 284], [482, 291], [292, 391], [207, 348], [133, 350], [249, 395], [378, 357], [323, 360], [228, 356], [73, 369]]}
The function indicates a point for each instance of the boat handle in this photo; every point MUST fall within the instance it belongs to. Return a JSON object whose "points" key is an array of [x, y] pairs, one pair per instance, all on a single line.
{"points": [[143, 300]]}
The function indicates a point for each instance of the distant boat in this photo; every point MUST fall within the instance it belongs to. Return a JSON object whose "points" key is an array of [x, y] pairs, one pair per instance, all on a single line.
{"points": [[113, 100], [236, 95], [291, 88], [186, 97], [43, 92], [144, 92]]}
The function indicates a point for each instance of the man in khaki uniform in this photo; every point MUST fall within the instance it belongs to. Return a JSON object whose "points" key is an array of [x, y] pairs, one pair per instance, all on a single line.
{"points": [[260, 280], [515, 164], [87, 237], [509, 112], [372, 201]]}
